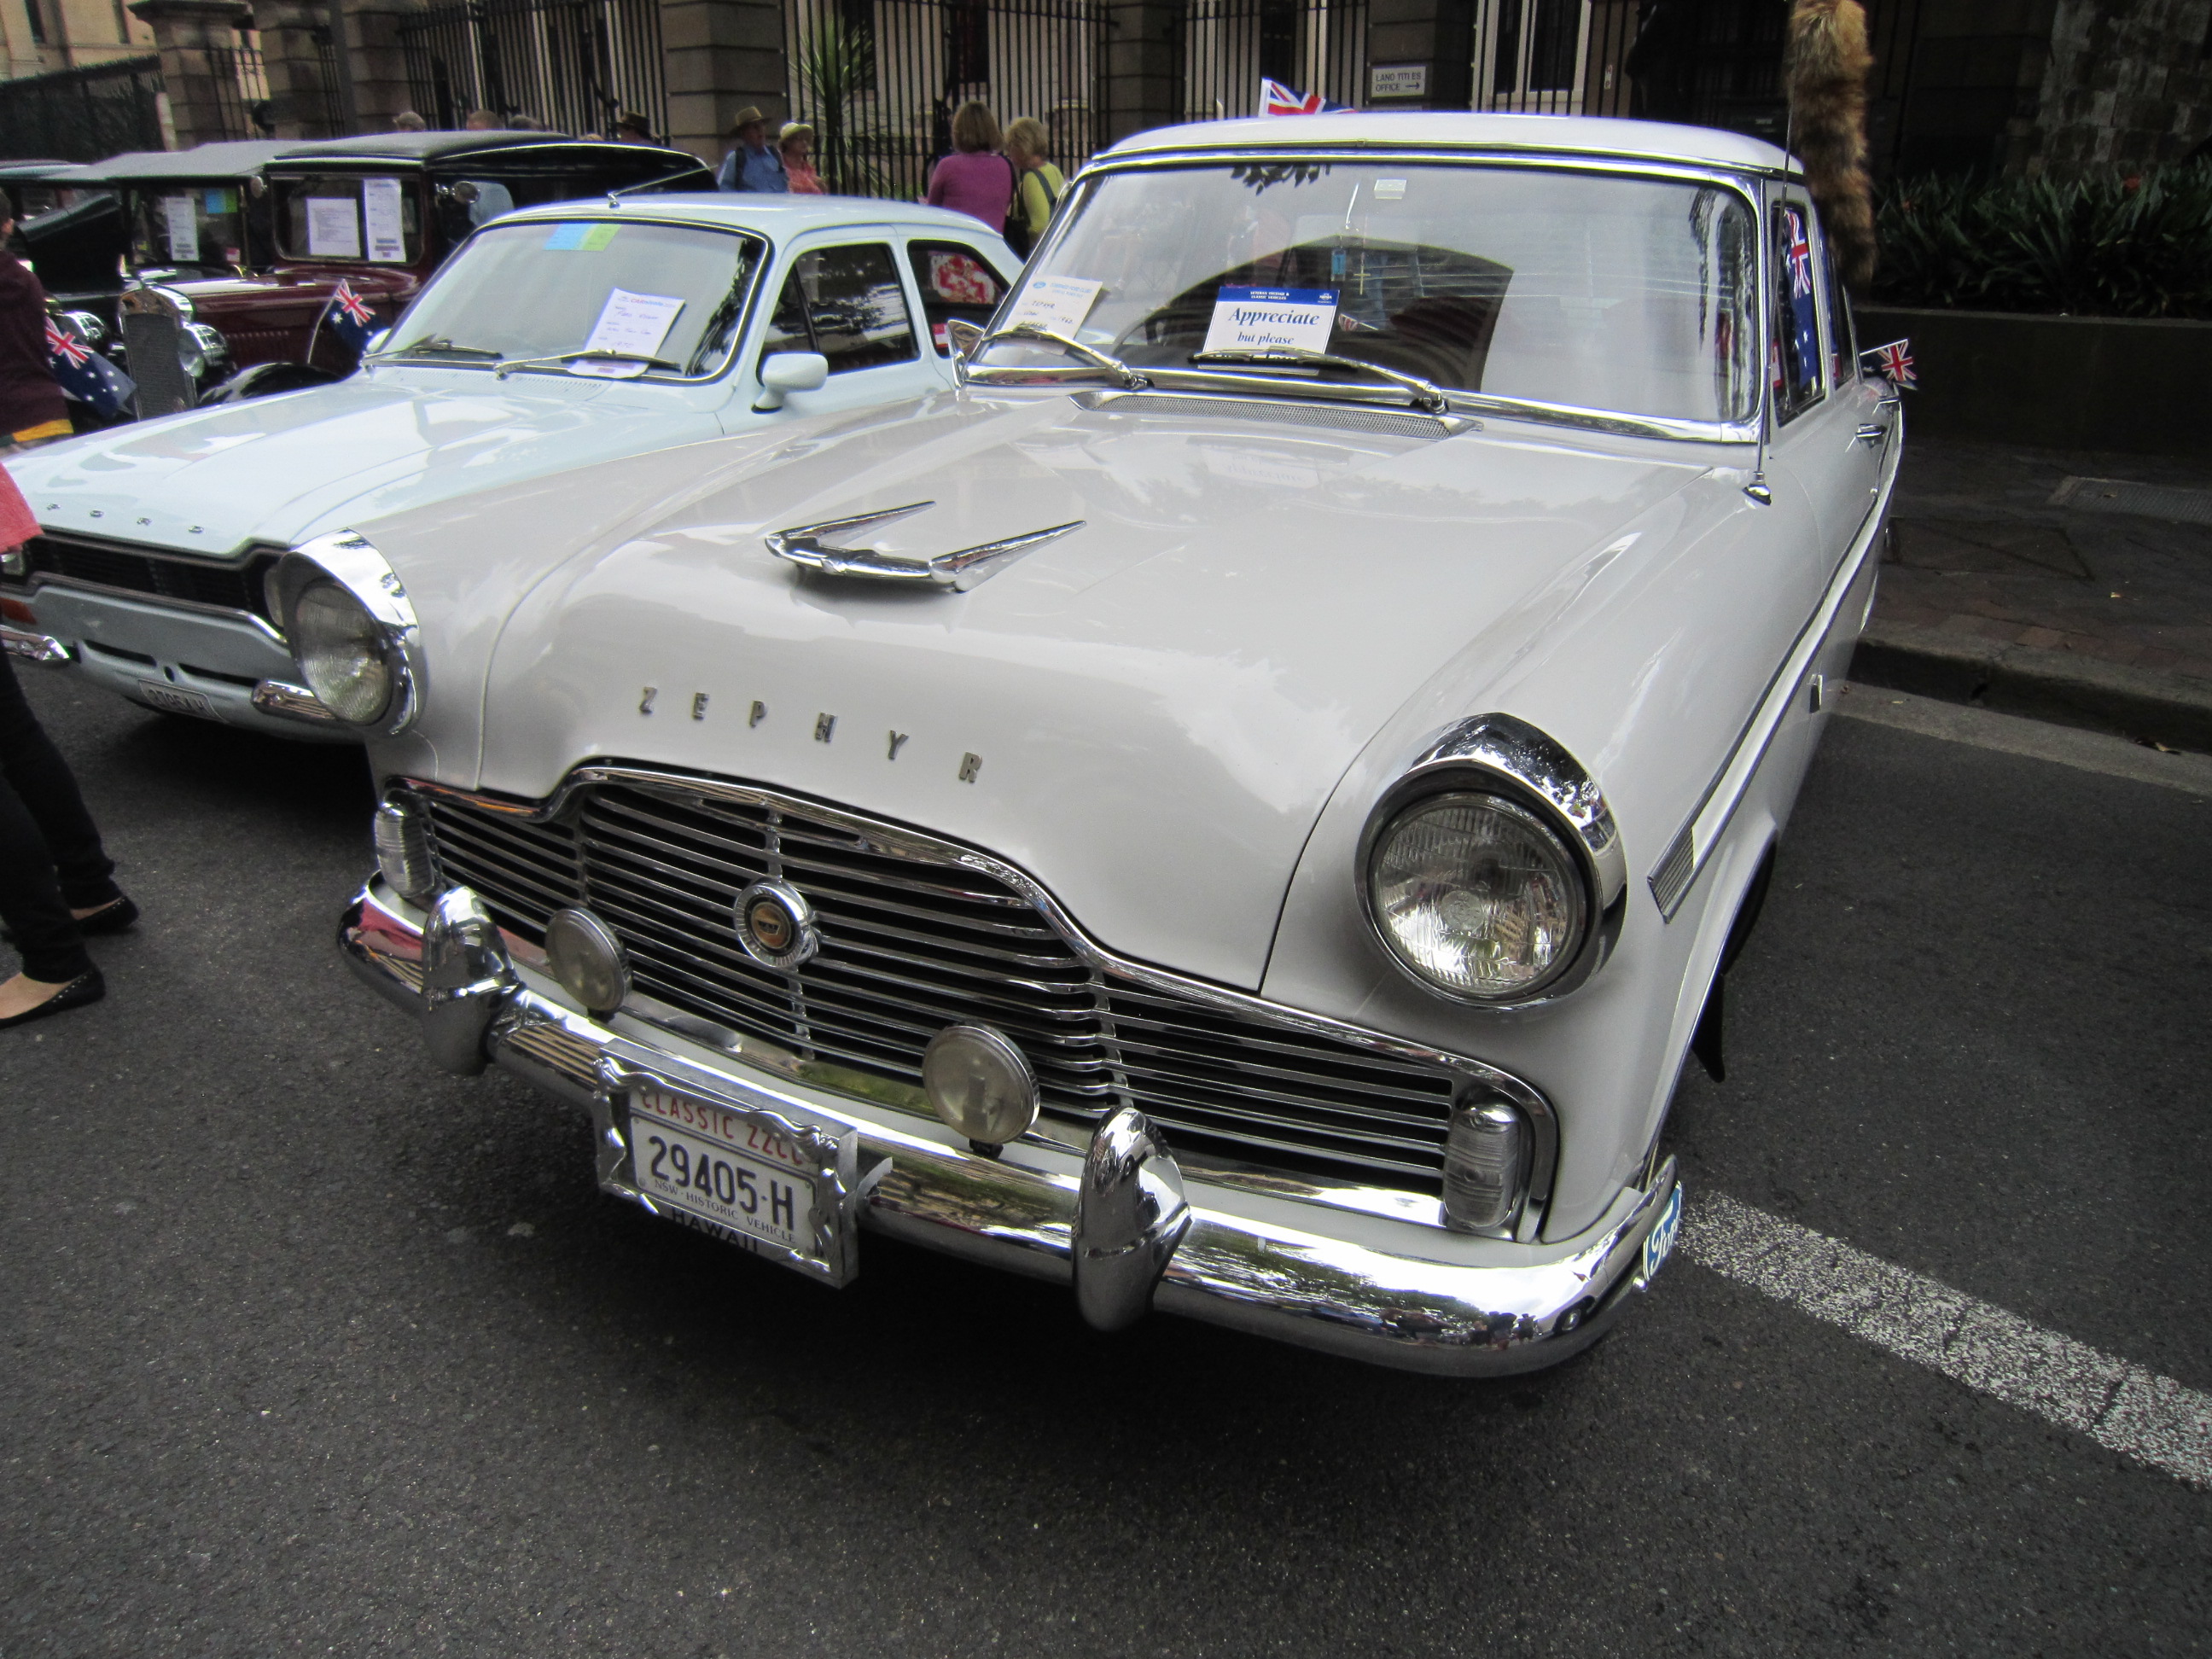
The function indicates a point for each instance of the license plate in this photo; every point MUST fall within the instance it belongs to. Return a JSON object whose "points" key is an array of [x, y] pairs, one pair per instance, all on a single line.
{"points": [[773, 1186], [177, 701], [1659, 1242]]}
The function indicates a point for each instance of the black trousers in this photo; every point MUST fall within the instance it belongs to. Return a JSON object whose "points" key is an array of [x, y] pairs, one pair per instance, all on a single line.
{"points": [[50, 859]]}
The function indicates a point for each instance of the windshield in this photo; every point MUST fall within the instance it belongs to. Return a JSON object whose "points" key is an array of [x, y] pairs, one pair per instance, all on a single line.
{"points": [[1599, 292], [546, 289], [192, 226]]}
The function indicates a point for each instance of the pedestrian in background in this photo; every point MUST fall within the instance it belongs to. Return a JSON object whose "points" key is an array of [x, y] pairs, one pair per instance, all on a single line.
{"points": [[635, 129], [753, 164], [408, 121], [974, 179], [1028, 146], [482, 120], [32, 408], [797, 145], [56, 880]]}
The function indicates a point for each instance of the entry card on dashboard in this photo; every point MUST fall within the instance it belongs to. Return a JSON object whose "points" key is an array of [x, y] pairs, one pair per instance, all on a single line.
{"points": [[634, 323], [1272, 320], [333, 227], [380, 206], [184, 229], [1056, 304]]}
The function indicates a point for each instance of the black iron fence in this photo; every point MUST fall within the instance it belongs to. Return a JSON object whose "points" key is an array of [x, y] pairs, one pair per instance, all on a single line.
{"points": [[241, 90], [576, 66], [879, 80], [1311, 46], [82, 114]]}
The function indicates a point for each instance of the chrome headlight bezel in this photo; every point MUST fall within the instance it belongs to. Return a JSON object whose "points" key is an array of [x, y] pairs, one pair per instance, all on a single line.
{"points": [[355, 566], [1498, 756]]}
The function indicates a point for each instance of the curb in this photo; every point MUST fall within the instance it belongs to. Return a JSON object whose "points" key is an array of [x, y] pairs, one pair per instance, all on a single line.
{"points": [[2147, 704]]}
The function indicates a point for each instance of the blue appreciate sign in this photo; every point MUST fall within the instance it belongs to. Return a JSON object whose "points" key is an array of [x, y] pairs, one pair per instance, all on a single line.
{"points": [[1272, 320]]}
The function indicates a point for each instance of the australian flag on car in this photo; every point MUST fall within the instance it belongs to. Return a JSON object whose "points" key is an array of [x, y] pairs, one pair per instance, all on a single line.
{"points": [[1804, 317], [349, 318], [1276, 99], [1893, 362], [84, 374]]}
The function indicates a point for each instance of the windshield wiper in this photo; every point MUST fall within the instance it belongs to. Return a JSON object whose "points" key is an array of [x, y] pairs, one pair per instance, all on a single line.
{"points": [[444, 345], [507, 366], [1427, 394], [1130, 380]]}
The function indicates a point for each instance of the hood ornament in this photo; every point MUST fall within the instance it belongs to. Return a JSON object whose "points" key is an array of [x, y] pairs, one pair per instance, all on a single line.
{"points": [[966, 568]]}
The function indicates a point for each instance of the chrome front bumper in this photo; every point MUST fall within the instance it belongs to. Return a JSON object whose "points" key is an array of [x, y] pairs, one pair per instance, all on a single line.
{"points": [[1114, 1222]]}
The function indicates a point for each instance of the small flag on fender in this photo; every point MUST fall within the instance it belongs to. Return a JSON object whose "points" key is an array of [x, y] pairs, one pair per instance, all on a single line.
{"points": [[1893, 362]]}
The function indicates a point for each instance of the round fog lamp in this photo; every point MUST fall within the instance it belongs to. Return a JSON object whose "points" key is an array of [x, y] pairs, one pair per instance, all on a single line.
{"points": [[979, 1083], [588, 960]]}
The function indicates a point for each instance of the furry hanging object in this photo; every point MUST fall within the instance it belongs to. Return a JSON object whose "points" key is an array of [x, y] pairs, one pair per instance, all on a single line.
{"points": [[1828, 69]]}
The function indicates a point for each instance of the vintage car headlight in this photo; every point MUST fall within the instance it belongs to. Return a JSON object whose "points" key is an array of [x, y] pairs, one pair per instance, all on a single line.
{"points": [[1492, 871], [1477, 894], [201, 349], [353, 633]]}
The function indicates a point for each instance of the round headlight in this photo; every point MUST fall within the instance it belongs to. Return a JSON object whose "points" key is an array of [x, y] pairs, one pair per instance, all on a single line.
{"points": [[1478, 895], [979, 1083], [340, 652], [192, 355]]}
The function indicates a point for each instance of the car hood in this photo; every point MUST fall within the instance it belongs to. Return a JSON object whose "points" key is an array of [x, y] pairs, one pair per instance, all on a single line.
{"points": [[276, 470], [1147, 713]]}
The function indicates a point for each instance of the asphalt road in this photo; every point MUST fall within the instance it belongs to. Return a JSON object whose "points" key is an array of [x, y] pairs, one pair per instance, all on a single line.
{"points": [[308, 1347]]}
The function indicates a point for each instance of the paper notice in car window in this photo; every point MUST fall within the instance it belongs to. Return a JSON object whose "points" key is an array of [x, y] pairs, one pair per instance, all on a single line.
{"points": [[380, 206], [1272, 320], [184, 226], [634, 323], [1055, 304], [333, 227]]}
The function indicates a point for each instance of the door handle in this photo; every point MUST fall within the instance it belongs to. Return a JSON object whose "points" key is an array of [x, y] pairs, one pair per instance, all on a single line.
{"points": [[1871, 434]]}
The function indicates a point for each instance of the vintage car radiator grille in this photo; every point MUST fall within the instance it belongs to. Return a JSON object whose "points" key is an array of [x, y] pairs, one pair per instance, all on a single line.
{"points": [[909, 947], [232, 587]]}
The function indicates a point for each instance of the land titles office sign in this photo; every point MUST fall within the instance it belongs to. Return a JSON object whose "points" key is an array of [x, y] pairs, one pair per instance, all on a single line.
{"points": [[1287, 319]]}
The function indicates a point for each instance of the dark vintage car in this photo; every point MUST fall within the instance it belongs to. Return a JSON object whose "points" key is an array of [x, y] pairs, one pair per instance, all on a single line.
{"points": [[72, 233], [237, 249]]}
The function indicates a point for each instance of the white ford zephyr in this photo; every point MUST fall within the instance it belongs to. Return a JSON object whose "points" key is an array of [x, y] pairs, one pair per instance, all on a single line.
{"points": [[1243, 807], [558, 336]]}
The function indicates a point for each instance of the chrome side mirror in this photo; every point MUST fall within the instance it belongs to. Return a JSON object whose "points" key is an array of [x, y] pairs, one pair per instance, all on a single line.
{"points": [[782, 372], [963, 337], [374, 343]]}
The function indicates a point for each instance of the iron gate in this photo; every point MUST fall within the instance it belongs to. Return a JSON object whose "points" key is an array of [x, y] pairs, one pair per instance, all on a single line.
{"points": [[574, 66], [1311, 46], [879, 80], [82, 114]]}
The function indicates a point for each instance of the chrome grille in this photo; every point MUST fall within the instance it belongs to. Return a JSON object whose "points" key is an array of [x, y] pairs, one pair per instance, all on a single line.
{"points": [[232, 587], [911, 945]]}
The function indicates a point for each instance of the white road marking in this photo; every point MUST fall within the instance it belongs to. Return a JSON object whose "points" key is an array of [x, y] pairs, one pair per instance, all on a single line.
{"points": [[2136, 1413], [2015, 734]]}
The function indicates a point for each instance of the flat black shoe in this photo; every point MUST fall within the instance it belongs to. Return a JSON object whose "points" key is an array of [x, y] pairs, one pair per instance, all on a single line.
{"points": [[113, 917], [84, 988]]}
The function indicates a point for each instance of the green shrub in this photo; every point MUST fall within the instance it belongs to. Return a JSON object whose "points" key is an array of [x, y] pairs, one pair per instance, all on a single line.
{"points": [[2107, 246]]}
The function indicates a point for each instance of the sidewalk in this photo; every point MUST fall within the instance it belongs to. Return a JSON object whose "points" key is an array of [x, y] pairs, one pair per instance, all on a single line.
{"points": [[2076, 612]]}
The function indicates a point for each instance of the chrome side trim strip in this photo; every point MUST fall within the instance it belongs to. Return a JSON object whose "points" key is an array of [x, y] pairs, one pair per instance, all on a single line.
{"points": [[899, 840], [1678, 868]]}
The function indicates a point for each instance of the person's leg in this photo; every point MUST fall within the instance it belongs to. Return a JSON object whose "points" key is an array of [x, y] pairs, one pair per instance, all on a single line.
{"points": [[45, 789], [31, 899]]}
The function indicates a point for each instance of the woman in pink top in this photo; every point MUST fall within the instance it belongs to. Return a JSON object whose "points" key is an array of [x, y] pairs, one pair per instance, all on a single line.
{"points": [[974, 179]]}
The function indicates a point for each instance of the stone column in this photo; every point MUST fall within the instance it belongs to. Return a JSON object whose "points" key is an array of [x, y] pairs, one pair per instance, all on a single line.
{"points": [[195, 38], [720, 55], [1144, 65], [380, 86], [1425, 44], [295, 38]]}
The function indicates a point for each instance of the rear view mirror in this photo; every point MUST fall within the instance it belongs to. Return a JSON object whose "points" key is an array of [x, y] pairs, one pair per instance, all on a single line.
{"points": [[785, 372]]}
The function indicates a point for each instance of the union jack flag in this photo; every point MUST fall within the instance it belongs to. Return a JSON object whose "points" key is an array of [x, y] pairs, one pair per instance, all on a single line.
{"points": [[1893, 362], [84, 374], [1276, 99], [350, 317]]}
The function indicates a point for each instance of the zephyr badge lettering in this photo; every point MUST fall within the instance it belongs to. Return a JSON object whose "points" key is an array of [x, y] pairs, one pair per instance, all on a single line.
{"points": [[776, 925]]}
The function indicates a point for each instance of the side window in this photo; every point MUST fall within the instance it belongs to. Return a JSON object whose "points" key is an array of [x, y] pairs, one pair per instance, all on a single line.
{"points": [[1843, 332], [955, 281], [1795, 348], [847, 304]]}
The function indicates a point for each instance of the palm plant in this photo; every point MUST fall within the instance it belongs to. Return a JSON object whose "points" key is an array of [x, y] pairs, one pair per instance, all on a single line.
{"points": [[836, 64]]}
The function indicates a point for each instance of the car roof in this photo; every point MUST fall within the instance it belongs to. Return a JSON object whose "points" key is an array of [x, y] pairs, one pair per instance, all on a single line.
{"points": [[772, 216], [430, 147], [1581, 135], [238, 158]]}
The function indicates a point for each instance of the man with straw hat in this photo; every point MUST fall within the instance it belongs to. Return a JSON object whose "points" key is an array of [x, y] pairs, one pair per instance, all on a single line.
{"points": [[754, 164]]}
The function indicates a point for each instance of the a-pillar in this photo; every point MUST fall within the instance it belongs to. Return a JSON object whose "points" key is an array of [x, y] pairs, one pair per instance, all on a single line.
{"points": [[1420, 55], [721, 56], [1144, 65], [299, 61], [199, 42]]}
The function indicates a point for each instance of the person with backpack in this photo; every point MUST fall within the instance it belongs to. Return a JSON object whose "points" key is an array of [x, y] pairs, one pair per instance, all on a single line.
{"points": [[1040, 186], [974, 179]]}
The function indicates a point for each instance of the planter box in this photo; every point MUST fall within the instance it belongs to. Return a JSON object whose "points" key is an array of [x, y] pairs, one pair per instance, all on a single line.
{"points": [[2055, 382]]}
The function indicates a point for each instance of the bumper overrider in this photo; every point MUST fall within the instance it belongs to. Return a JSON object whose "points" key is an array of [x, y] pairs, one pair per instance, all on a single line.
{"points": [[1121, 1222]]}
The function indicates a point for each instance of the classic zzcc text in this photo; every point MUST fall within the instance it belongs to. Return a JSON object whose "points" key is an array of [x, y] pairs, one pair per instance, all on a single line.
{"points": [[1243, 807]]}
